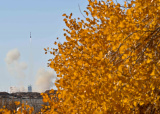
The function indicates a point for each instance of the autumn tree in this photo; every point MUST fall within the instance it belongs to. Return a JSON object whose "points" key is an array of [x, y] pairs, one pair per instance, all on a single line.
{"points": [[110, 61], [16, 108]]}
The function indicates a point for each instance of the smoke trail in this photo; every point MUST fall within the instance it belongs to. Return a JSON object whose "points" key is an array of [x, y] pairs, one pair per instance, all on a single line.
{"points": [[15, 67], [30, 62], [30, 41], [44, 79]]}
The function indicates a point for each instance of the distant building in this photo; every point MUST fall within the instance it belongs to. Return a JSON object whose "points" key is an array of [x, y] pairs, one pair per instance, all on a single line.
{"points": [[33, 99], [29, 88], [4, 95], [13, 89]]}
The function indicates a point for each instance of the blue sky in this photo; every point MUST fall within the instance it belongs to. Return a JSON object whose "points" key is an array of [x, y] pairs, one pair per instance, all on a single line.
{"points": [[41, 17]]}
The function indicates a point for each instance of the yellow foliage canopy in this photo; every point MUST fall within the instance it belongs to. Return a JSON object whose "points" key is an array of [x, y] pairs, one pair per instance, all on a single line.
{"points": [[110, 63]]}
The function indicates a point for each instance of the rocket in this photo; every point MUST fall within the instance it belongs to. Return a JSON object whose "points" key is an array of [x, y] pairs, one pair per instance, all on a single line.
{"points": [[30, 35]]}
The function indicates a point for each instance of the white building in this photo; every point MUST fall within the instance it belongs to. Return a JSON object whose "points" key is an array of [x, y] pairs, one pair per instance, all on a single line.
{"points": [[13, 89]]}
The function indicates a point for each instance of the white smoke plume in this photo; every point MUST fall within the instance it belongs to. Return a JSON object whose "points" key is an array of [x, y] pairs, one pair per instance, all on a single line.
{"points": [[12, 55], [44, 79], [15, 67]]}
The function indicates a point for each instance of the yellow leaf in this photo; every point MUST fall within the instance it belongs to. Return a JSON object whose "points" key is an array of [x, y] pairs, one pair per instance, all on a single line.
{"points": [[135, 103], [125, 100], [17, 103], [125, 4], [64, 14], [55, 43], [141, 103], [153, 71], [93, 74], [100, 55], [109, 76], [79, 62]]}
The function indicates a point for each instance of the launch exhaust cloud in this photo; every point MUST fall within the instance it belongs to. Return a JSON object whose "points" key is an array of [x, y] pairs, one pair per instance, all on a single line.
{"points": [[12, 55], [15, 67], [14, 89], [44, 79]]}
